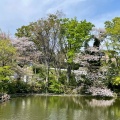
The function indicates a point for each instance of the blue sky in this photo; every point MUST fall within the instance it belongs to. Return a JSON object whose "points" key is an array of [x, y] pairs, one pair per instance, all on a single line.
{"points": [[15, 13]]}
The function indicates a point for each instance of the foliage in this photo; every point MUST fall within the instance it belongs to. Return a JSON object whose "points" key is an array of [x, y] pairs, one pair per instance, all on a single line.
{"points": [[113, 49], [27, 53], [74, 33], [13, 87], [7, 52], [24, 31], [5, 72], [112, 30], [7, 56], [63, 79], [116, 80], [55, 87], [50, 44], [4, 36], [3, 86], [44, 33]]}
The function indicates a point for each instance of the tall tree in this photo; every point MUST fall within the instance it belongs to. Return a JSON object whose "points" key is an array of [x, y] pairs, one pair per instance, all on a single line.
{"points": [[113, 48], [7, 57], [7, 52], [44, 33], [27, 52], [73, 34]]}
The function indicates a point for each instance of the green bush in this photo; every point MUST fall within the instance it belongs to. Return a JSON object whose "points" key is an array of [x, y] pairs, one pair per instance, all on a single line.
{"points": [[63, 79], [75, 66], [12, 87], [72, 80], [38, 87], [55, 87]]}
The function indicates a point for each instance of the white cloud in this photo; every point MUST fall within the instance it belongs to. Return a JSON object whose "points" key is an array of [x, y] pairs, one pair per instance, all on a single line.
{"points": [[65, 5]]}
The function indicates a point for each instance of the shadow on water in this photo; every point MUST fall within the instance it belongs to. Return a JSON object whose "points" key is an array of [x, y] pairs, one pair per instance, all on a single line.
{"points": [[60, 108]]}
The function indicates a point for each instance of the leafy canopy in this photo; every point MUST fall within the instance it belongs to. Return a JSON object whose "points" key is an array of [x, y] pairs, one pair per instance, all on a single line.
{"points": [[113, 34], [74, 33], [7, 52]]}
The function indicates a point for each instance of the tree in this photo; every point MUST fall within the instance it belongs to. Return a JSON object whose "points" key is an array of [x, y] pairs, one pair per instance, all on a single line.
{"points": [[44, 34], [7, 57], [5, 72], [24, 31], [7, 53], [90, 60], [27, 53], [73, 34], [4, 36], [113, 48]]}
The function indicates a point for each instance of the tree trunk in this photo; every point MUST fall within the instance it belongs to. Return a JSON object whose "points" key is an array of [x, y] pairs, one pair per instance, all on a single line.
{"points": [[68, 72], [47, 76]]}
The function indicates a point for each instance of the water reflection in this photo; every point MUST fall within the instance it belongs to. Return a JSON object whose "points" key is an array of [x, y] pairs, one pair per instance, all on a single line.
{"points": [[100, 103], [60, 108]]}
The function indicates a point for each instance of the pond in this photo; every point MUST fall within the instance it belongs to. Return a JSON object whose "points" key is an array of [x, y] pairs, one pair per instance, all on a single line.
{"points": [[60, 108]]}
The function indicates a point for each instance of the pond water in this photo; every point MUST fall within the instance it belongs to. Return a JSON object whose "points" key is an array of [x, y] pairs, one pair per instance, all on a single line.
{"points": [[60, 108]]}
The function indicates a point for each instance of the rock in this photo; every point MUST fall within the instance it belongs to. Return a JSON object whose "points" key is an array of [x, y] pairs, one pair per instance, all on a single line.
{"points": [[4, 97]]}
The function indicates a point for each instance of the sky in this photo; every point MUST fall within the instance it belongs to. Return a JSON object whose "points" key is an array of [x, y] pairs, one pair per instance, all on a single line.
{"points": [[15, 13]]}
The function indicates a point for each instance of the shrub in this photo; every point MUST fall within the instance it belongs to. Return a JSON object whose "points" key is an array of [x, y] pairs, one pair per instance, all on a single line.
{"points": [[55, 87]]}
